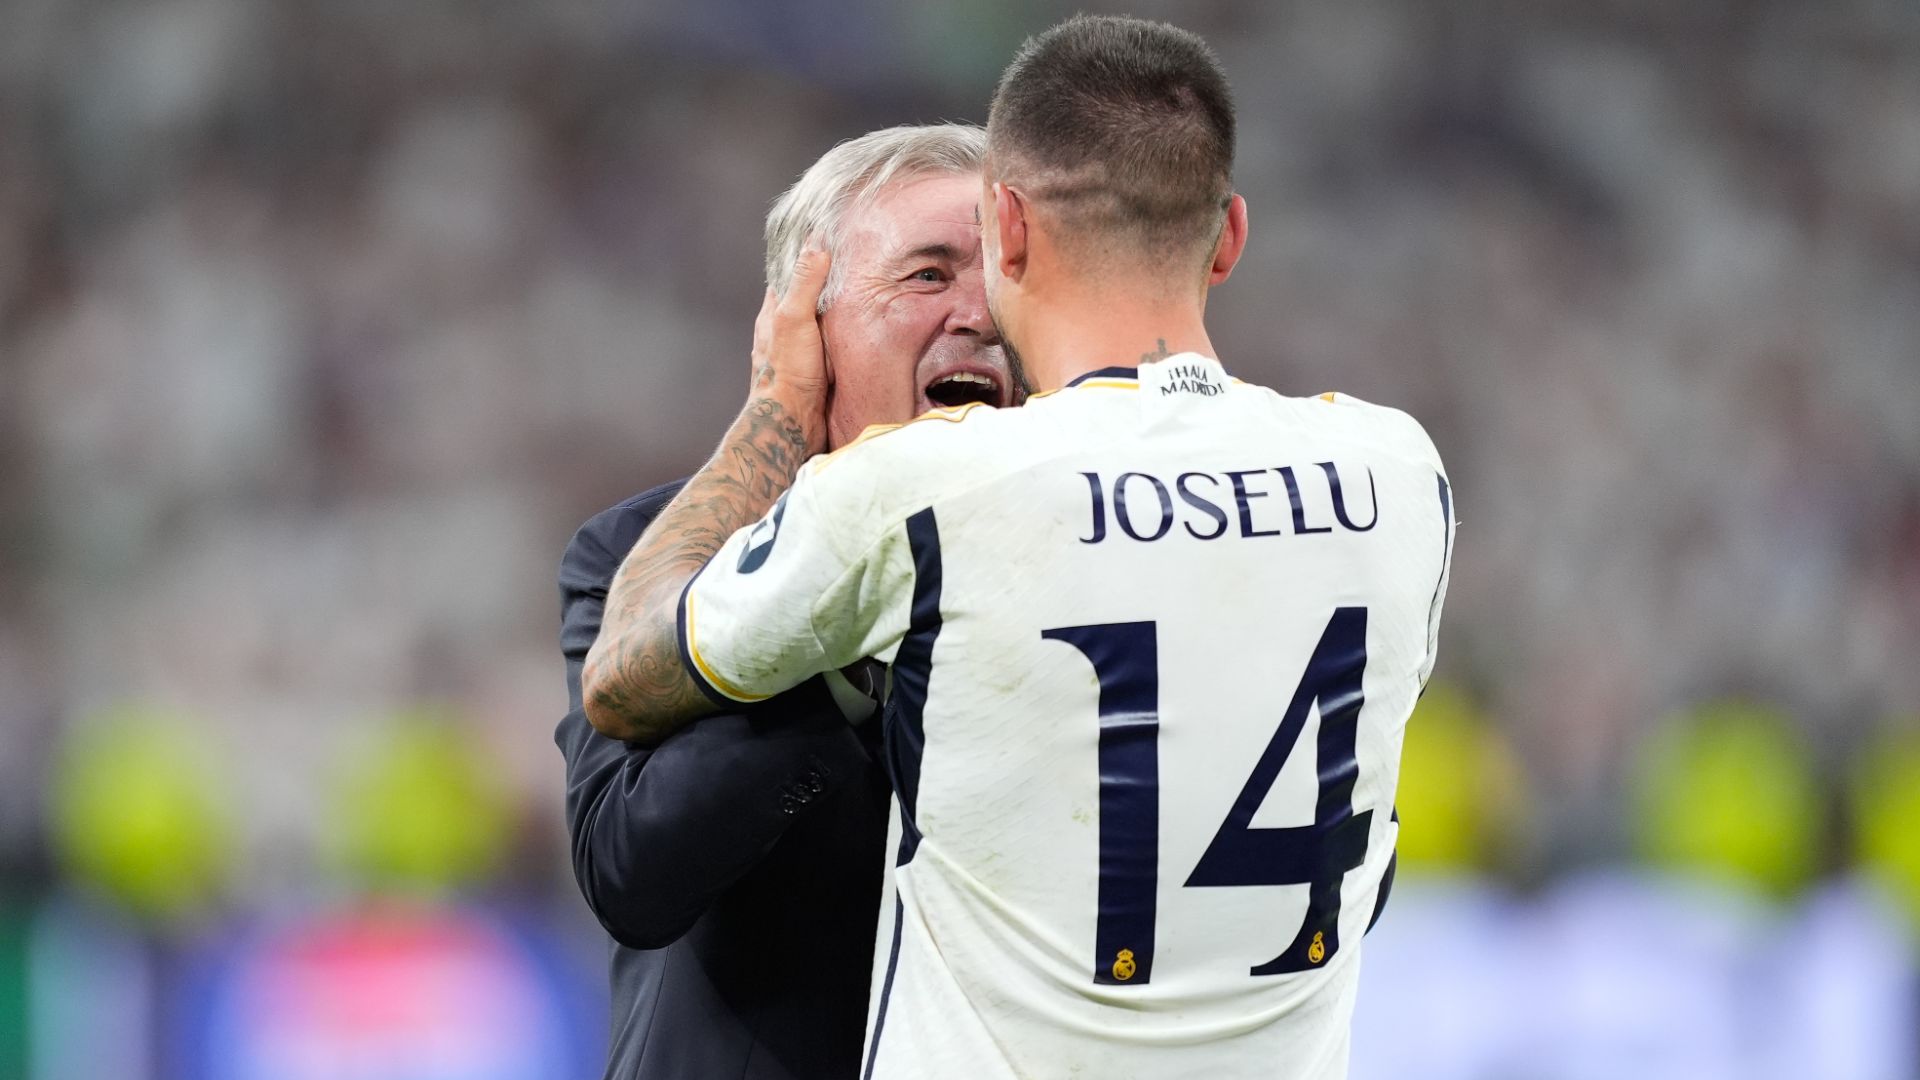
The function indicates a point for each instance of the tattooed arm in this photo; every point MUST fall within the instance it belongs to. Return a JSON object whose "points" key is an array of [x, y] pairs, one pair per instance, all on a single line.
{"points": [[634, 686]]}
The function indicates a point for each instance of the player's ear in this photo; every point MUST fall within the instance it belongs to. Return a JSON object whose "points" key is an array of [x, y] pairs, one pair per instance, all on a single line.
{"points": [[1010, 231], [1232, 242]]}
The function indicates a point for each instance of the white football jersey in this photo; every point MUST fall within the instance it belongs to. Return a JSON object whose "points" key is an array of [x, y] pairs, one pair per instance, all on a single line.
{"points": [[1154, 639]]}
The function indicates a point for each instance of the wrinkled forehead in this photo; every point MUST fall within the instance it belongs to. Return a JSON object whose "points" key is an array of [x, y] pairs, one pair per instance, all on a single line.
{"points": [[936, 212]]}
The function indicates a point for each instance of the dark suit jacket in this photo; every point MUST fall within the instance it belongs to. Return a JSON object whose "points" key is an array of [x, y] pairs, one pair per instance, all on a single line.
{"points": [[737, 865]]}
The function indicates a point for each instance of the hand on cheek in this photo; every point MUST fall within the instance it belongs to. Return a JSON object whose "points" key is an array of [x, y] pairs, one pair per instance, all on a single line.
{"points": [[789, 356]]}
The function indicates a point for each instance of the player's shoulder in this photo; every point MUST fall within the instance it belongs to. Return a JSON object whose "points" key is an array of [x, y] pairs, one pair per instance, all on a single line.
{"points": [[925, 444], [893, 470], [1381, 425]]}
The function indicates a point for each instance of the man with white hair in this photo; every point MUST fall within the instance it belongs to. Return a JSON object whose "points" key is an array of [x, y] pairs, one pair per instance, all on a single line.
{"points": [[737, 865]]}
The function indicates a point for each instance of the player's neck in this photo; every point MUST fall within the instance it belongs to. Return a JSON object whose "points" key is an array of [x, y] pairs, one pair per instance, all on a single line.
{"points": [[1086, 333]]}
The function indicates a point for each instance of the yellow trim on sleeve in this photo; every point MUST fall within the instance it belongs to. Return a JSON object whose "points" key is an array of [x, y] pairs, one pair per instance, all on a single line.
{"points": [[706, 670], [952, 415], [873, 431]]}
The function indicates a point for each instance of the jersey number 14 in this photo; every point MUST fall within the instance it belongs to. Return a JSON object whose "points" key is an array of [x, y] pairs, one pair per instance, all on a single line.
{"points": [[1126, 659]]}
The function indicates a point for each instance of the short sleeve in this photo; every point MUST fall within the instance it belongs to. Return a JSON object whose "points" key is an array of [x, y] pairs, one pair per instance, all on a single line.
{"points": [[820, 582]]}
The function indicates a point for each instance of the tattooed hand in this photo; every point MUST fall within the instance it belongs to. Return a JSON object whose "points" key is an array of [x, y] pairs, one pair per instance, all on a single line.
{"points": [[633, 684], [789, 356]]}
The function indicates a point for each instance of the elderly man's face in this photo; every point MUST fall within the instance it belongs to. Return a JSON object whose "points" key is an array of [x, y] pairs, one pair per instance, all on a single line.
{"points": [[908, 329]]}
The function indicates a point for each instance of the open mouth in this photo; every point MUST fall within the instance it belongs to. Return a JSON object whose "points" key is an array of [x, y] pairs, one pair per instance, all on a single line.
{"points": [[962, 387]]}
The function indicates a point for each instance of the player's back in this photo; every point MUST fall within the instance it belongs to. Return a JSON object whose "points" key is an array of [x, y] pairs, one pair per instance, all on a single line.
{"points": [[1167, 629]]}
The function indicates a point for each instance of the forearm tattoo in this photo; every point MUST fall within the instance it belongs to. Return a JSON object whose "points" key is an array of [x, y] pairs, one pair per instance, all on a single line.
{"points": [[635, 685]]}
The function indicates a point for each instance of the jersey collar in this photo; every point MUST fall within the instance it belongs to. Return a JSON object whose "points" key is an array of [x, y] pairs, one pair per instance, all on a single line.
{"points": [[1107, 373]]}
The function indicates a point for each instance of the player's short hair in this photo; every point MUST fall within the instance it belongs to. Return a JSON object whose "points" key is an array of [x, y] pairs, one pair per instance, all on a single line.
{"points": [[1122, 131], [850, 175]]}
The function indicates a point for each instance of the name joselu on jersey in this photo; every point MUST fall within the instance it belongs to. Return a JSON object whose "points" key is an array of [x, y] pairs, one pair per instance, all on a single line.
{"points": [[1212, 505]]}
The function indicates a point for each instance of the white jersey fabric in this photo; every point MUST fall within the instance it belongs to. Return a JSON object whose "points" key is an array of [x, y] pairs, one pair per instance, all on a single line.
{"points": [[1154, 640]]}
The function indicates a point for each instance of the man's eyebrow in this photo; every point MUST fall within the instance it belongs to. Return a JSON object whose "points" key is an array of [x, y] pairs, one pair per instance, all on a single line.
{"points": [[930, 251]]}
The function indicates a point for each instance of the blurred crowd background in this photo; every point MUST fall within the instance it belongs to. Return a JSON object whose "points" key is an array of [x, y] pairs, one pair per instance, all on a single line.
{"points": [[322, 325]]}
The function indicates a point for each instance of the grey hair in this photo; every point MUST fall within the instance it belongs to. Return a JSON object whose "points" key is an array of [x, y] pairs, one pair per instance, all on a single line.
{"points": [[849, 176]]}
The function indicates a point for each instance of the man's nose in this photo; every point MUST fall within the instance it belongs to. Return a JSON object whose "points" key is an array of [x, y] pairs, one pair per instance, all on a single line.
{"points": [[969, 314]]}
